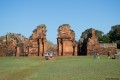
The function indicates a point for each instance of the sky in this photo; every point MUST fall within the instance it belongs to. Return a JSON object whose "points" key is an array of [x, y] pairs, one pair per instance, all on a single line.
{"points": [[23, 16]]}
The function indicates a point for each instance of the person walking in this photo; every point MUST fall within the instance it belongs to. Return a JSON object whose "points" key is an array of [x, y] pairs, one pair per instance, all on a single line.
{"points": [[98, 55], [51, 55]]}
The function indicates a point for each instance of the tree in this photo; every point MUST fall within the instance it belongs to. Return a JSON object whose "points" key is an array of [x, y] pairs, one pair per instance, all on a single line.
{"points": [[105, 38], [51, 47], [114, 35], [88, 34]]}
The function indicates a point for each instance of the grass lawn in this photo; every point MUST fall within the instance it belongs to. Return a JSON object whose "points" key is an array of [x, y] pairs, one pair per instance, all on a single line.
{"points": [[63, 68]]}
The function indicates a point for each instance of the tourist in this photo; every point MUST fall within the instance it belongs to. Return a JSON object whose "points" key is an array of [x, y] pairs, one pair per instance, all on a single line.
{"points": [[46, 56], [98, 55], [50, 55]]}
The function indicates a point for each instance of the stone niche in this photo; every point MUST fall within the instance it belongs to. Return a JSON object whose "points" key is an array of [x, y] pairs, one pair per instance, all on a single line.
{"points": [[37, 44], [66, 44]]}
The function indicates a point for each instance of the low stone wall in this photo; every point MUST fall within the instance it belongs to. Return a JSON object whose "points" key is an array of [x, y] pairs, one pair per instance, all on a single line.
{"points": [[108, 47], [104, 51]]}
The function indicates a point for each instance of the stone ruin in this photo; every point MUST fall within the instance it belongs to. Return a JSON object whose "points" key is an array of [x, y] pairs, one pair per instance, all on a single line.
{"points": [[10, 44], [37, 43], [108, 47], [93, 45], [66, 41], [17, 45]]}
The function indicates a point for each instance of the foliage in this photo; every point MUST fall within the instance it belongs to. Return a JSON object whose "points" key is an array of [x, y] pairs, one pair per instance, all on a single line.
{"points": [[63, 68], [105, 38], [51, 47], [115, 34]]}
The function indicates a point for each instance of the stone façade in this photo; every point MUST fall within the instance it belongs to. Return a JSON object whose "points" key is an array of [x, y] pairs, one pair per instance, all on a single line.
{"points": [[66, 44], [36, 45]]}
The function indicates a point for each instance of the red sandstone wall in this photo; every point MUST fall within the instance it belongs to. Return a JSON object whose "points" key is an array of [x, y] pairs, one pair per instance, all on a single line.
{"points": [[67, 48]]}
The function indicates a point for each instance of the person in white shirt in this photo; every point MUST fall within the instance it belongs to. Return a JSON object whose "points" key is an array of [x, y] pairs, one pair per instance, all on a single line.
{"points": [[51, 55]]}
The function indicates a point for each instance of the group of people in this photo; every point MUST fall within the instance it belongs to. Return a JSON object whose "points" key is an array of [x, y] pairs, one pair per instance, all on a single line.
{"points": [[115, 56], [96, 55], [48, 56]]}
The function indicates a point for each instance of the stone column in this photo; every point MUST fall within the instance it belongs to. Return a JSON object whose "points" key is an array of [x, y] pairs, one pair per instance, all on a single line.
{"points": [[38, 47], [18, 52], [45, 46], [28, 50], [59, 47], [73, 46], [76, 51], [62, 47]]}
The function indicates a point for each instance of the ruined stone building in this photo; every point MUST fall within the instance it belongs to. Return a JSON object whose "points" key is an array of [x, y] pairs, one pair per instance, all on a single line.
{"points": [[10, 44], [91, 45], [17, 45], [66, 41], [37, 44]]}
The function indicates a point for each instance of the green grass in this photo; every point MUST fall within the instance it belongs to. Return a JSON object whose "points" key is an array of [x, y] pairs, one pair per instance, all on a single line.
{"points": [[63, 68]]}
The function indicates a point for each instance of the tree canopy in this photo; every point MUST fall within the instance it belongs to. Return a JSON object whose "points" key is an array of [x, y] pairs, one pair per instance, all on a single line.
{"points": [[114, 35], [88, 33], [51, 47], [105, 38]]}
